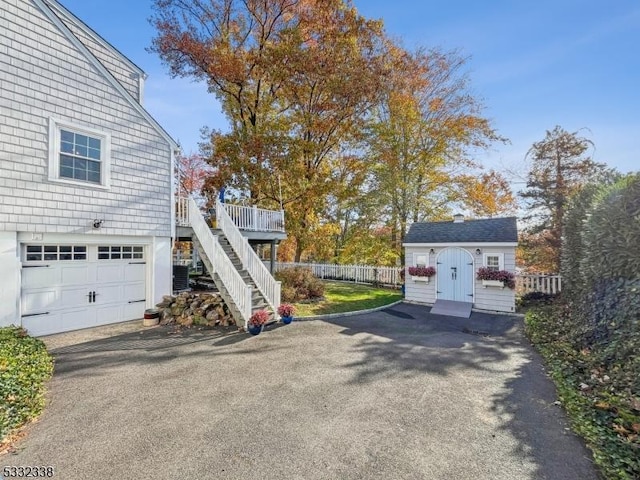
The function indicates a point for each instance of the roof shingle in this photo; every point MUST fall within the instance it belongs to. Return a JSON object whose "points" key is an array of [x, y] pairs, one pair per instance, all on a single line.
{"points": [[487, 230]]}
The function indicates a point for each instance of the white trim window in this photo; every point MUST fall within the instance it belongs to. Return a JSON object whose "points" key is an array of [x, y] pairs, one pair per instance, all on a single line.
{"points": [[493, 261], [39, 253], [78, 155], [120, 252], [420, 259]]}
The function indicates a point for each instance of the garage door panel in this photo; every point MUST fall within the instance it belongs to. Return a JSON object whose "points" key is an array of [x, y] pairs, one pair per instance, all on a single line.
{"points": [[112, 273], [106, 314], [135, 292], [43, 324], [75, 274], [73, 297], [75, 319], [108, 294], [40, 276], [131, 311], [38, 301], [134, 272]]}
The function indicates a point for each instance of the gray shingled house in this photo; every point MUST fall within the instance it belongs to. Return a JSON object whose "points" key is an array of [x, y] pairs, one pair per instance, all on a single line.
{"points": [[457, 249]]}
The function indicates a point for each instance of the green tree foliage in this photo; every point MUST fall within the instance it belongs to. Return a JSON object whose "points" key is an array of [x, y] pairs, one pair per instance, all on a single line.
{"points": [[591, 338], [560, 168]]}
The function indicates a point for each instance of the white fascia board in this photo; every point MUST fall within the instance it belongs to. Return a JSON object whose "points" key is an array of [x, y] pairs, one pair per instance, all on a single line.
{"points": [[465, 244], [81, 238], [103, 70]]}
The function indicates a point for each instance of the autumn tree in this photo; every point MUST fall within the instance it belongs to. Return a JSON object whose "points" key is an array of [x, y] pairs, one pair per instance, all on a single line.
{"points": [[295, 79], [422, 138], [191, 171], [560, 168]]}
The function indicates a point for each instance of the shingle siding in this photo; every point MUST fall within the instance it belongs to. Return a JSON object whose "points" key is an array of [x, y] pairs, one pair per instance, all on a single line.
{"points": [[43, 76]]}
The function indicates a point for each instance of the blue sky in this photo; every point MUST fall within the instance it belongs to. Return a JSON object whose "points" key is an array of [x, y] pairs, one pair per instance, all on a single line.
{"points": [[573, 63]]}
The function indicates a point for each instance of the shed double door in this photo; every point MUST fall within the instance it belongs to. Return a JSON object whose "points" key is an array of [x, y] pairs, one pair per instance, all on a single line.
{"points": [[454, 275]]}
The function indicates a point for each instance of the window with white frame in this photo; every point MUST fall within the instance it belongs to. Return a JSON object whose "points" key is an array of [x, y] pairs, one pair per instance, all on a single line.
{"points": [[421, 259], [494, 261], [78, 154], [120, 252], [39, 253]]}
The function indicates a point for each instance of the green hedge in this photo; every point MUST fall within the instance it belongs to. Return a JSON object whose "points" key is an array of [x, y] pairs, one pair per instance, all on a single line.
{"points": [[590, 338], [25, 365]]}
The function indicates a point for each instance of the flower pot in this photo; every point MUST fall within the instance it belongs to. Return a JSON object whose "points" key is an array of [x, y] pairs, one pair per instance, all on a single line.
{"points": [[492, 283], [254, 329], [420, 279], [286, 319]]}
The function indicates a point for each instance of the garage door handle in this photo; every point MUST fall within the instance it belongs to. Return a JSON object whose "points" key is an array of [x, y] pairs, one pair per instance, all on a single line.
{"points": [[34, 314], [34, 266], [138, 301]]}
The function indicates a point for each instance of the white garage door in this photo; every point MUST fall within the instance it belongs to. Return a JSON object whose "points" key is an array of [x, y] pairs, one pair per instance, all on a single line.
{"points": [[68, 287]]}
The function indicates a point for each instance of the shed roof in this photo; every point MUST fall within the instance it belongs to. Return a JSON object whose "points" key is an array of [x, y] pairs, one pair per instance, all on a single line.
{"points": [[489, 230]]}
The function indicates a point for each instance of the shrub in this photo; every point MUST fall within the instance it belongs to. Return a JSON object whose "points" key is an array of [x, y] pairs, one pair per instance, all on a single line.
{"points": [[25, 365], [536, 298], [299, 283]]}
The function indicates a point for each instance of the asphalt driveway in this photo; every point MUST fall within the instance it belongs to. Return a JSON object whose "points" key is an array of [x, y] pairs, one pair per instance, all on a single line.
{"points": [[396, 394]]}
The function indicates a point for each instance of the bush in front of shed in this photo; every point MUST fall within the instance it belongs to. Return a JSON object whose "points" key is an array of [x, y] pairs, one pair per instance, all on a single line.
{"points": [[25, 365]]}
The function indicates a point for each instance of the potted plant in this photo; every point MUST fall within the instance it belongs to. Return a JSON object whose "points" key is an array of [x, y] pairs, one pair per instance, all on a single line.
{"points": [[286, 311], [496, 278], [421, 274], [257, 321]]}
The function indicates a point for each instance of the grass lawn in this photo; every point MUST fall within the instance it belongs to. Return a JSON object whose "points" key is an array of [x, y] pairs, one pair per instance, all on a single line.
{"points": [[348, 297]]}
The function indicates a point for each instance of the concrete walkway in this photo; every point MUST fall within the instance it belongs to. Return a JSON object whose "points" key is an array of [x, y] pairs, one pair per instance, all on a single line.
{"points": [[395, 394]]}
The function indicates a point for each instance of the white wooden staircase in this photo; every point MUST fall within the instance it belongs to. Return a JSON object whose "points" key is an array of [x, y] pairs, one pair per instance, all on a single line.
{"points": [[244, 282]]}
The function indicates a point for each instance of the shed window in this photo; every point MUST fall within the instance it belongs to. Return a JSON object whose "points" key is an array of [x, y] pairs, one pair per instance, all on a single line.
{"points": [[421, 259], [494, 261]]}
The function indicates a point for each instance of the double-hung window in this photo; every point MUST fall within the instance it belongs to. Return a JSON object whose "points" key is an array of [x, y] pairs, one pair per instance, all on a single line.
{"points": [[78, 155]]}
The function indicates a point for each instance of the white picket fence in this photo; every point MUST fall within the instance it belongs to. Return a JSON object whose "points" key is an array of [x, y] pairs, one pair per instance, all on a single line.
{"points": [[350, 273], [538, 283], [391, 276]]}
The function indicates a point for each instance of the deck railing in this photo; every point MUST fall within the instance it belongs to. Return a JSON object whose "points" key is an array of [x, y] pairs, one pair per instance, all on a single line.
{"points": [[260, 274], [182, 211], [254, 218], [239, 291]]}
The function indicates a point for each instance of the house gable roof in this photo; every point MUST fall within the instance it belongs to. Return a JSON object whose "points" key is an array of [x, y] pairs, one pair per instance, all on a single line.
{"points": [[489, 230], [46, 7]]}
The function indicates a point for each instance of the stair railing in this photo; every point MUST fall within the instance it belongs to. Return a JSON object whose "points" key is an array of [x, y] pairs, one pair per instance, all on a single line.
{"points": [[239, 291], [268, 286]]}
